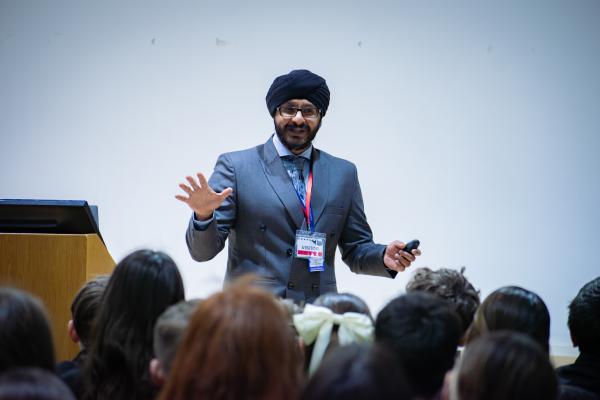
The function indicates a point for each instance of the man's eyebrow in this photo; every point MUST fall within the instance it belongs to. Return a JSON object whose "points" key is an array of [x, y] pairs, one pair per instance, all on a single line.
{"points": [[296, 105]]}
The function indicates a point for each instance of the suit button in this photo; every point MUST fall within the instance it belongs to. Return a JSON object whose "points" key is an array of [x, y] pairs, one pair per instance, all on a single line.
{"points": [[263, 227], [290, 285], [315, 286], [289, 252]]}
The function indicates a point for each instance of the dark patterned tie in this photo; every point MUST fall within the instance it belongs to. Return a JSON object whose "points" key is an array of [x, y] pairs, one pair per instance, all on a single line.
{"points": [[295, 167]]}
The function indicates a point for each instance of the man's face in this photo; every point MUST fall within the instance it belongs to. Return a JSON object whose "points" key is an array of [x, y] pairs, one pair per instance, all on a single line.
{"points": [[296, 132]]}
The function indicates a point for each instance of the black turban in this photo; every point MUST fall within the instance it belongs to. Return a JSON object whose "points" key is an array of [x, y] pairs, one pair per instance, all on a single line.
{"points": [[298, 84]]}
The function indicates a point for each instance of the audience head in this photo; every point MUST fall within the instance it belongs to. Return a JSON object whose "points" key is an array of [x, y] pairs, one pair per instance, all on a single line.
{"points": [[141, 287], [238, 345], [84, 310], [515, 309], [32, 384], [168, 332], [584, 318], [25, 333], [451, 286], [423, 332], [335, 319], [341, 303], [504, 365], [290, 309], [358, 371]]}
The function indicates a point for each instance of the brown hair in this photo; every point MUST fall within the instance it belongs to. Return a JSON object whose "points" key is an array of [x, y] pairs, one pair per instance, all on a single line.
{"points": [[85, 306], [515, 309], [238, 345], [504, 365]]}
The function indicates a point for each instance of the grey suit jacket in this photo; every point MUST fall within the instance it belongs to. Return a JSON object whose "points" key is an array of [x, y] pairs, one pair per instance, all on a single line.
{"points": [[263, 213]]}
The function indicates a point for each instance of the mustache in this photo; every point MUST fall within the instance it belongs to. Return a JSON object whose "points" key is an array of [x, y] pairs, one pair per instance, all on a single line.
{"points": [[294, 125]]}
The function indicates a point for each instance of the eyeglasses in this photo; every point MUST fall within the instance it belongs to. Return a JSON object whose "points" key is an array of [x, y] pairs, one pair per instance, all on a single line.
{"points": [[290, 112]]}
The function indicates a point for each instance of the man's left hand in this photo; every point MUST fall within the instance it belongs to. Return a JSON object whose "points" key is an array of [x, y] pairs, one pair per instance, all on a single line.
{"points": [[395, 258]]}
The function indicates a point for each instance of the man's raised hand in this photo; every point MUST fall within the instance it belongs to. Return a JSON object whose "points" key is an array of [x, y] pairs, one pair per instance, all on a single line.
{"points": [[201, 198], [395, 258]]}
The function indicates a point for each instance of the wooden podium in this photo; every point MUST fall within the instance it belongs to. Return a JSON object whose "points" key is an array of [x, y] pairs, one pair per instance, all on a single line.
{"points": [[53, 267]]}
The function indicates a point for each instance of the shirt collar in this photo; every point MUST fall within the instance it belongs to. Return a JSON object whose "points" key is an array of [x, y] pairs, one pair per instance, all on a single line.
{"points": [[284, 151]]}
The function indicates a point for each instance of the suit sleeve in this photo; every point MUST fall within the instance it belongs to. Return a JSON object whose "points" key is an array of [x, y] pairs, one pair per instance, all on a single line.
{"points": [[359, 252], [204, 243]]}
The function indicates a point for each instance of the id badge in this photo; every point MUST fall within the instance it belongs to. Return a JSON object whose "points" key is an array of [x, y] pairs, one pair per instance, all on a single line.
{"points": [[311, 245], [316, 264]]}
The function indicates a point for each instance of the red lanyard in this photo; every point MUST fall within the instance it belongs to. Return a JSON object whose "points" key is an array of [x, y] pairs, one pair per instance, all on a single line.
{"points": [[306, 210]]}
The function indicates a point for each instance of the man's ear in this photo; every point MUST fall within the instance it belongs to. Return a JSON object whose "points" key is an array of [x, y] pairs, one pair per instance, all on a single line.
{"points": [[157, 375], [72, 332]]}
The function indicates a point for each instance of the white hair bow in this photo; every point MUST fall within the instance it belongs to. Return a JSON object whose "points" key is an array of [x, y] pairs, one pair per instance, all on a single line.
{"points": [[316, 323]]}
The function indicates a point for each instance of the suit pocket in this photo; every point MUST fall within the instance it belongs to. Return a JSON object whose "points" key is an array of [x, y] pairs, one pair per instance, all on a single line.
{"points": [[335, 210]]}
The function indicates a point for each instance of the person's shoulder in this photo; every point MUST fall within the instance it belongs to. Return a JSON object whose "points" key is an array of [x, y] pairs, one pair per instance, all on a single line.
{"points": [[337, 162], [65, 366], [565, 369], [241, 155], [572, 373]]}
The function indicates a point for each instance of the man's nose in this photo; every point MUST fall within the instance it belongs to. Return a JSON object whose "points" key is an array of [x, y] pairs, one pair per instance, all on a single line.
{"points": [[298, 118]]}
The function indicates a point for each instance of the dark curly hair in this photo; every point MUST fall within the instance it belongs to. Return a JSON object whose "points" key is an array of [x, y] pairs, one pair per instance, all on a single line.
{"points": [[449, 285]]}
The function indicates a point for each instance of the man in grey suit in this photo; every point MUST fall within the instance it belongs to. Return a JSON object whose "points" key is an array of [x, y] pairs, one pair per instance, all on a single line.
{"points": [[285, 206]]}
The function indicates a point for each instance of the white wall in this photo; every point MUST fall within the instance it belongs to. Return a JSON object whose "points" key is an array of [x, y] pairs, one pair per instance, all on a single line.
{"points": [[475, 125]]}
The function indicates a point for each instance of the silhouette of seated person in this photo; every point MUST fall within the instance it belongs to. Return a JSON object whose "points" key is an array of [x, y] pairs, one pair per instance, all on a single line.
{"points": [[584, 326]]}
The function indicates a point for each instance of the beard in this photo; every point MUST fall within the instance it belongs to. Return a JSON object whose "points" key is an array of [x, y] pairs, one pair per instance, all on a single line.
{"points": [[296, 138]]}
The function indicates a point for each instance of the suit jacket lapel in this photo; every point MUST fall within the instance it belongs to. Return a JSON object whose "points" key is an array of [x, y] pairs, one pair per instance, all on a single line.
{"points": [[320, 192], [281, 183]]}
